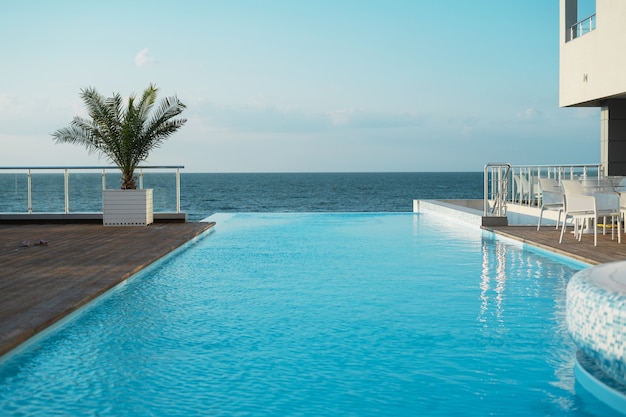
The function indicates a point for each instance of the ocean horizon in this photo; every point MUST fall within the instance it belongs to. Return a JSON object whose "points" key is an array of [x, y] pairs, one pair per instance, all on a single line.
{"points": [[203, 194]]}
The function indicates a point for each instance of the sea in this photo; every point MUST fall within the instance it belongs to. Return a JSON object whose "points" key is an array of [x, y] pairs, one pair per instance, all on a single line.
{"points": [[204, 194]]}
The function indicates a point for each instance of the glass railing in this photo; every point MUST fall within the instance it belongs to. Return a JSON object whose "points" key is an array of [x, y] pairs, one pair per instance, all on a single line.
{"points": [[583, 27], [78, 189]]}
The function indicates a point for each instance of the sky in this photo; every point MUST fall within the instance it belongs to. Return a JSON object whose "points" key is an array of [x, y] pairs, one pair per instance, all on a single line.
{"points": [[300, 86]]}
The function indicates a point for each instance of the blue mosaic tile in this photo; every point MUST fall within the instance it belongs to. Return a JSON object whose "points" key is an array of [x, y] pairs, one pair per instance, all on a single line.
{"points": [[596, 316]]}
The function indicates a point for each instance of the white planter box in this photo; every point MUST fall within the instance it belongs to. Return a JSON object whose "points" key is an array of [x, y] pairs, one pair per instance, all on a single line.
{"points": [[127, 207]]}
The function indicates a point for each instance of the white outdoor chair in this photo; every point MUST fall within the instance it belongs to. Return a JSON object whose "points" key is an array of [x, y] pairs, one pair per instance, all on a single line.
{"points": [[522, 188], [551, 198], [586, 207], [619, 184], [595, 185]]}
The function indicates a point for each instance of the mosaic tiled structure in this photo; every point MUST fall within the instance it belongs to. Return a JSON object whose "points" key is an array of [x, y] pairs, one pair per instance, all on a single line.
{"points": [[596, 316]]}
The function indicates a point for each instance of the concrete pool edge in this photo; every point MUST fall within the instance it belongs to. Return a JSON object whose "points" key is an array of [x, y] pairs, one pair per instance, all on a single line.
{"points": [[466, 211]]}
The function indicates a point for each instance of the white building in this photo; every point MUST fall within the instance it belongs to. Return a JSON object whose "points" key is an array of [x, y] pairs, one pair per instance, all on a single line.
{"points": [[593, 72]]}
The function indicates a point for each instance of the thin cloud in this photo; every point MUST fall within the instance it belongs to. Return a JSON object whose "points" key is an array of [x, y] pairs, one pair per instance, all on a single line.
{"points": [[469, 125], [468, 130], [6, 102], [587, 112], [365, 119], [260, 116], [255, 118], [143, 58], [530, 113]]}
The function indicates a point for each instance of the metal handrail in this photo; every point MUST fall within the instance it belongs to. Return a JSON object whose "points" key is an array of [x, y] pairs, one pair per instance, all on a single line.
{"points": [[66, 175], [583, 27], [58, 167], [495, 188]]}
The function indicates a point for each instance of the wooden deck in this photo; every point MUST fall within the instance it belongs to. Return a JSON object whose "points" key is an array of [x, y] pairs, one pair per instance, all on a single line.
{"points": [[548, 238], [40, 284]]}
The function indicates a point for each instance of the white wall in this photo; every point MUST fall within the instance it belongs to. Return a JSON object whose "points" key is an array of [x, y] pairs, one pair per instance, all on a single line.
{"points": [[593, 66]]}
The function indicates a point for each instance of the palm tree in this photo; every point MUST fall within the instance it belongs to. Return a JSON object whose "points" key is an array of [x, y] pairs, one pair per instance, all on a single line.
{"points": [[124, 135]]}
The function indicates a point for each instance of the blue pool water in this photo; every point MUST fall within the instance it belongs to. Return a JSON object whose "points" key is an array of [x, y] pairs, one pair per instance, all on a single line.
{"points": [[317, 314]]}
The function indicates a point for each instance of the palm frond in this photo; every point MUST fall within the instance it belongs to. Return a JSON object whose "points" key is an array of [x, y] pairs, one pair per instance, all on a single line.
{"points": [[124, 134]]}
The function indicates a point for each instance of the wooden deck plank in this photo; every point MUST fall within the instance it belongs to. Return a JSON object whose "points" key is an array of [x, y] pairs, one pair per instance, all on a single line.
{"points": [[39, 285], [548, 238]]}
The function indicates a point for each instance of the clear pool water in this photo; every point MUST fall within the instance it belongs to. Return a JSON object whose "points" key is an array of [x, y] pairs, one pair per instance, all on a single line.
{"points": [[317, 314]]}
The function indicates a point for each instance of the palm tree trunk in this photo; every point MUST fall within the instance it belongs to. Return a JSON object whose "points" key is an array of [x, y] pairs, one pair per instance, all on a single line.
{"points": [[129, 182]]}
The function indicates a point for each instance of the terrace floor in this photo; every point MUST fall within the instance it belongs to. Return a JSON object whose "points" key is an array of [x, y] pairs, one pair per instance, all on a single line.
{"points": [[548, 238], [523, 220], [41, 284]]}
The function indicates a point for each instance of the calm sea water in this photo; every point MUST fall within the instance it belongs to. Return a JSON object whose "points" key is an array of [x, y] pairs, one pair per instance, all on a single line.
{"points": [[205, 194]]}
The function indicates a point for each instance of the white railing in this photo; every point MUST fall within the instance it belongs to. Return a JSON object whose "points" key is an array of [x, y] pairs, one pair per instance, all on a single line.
{"points": [[495, 189], [519, 184], [583, 27], [80, 186], [524, 181]]}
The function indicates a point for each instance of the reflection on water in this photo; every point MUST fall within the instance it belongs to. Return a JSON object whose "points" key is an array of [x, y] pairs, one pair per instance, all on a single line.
{"points": [[497, 264], [532, 278]]}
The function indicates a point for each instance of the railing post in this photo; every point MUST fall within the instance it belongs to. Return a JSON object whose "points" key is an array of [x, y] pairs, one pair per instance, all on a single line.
{"points": [[486, 191], [503, 192], [66, 184], [141, 178], [104, 178], [30, 195], [177, 190]]}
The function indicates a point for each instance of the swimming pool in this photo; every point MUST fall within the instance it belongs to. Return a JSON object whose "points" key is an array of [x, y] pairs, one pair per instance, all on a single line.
{"points": [[317, 314]]}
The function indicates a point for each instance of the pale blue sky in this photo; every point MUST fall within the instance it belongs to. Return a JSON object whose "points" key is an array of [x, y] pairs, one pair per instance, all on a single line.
{"points": [[282, 86]]}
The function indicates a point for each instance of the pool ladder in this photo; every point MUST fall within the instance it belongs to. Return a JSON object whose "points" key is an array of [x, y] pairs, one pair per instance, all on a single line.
{"points": [[496, 186]]}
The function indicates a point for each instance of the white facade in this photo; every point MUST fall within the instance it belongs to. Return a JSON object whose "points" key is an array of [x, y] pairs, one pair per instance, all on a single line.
{"points": [[593, 72], [592, 65]]}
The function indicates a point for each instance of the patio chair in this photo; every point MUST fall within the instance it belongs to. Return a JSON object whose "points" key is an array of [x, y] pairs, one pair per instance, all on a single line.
{"points": [[522, 188], [597, 185], [551, 198], [612, 183], [585, 207], [619, 184]]}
